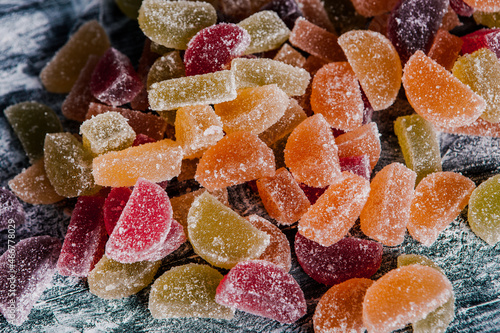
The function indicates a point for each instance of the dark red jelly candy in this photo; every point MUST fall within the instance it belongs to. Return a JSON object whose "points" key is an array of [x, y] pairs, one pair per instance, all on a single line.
{"points": [[141, 139], [359, 165], [461, 8], [312, 193], [113, 206]]}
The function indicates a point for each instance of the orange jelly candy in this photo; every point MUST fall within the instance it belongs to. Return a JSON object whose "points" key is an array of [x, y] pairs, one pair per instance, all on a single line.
{"points": [[480, 127], [445, 49], [488, 6], [290, 56], [363, 140], [336, 210]]}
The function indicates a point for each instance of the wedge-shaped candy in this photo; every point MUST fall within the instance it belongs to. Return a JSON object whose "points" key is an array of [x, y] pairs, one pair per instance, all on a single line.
{"points": [[260, 72], [61, 73], [267, 31], [175, 238], [169, 66], [254, 110], [156, 162], [31, 121], [311, 153], [220, 236], [480, 39], [174, 23], [209, 88], [376, 64], [358, 165], [12, 213], [237, 158], [25, 272], [387, 210], [330, 218], [484, 205], [289, 55], [489, 6], [340, 309], [114, 205], [187, 291], [111, 279], [445, 49], [362, 140], [438, 200], [85, 238], [438, 96]]}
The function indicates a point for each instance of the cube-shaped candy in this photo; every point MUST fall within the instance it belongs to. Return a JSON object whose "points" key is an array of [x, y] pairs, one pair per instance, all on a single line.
{"points": [[445, 49], [483, 210], [267, 31]]}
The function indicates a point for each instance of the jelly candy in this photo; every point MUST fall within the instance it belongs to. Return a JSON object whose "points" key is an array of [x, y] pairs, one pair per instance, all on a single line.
{"points": [[187, 291], [220, 236], [358, 165], [12, 213], [239, 9], [314, 11], [479, 39], [290, 56], [175, 238], [484, 5], [491, 20], [343, 16], [114, 205], [483, 211], [336, 211], [373, 8], [445, 49], [461, 8], [129, 7], [287, 10], [264, 289], [348, 258], [168, 66], [147, 59], [362, 140]]}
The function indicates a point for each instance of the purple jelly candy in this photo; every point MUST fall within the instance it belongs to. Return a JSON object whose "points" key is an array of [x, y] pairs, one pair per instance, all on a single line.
{"points": [[348, 258], [26, 270], [287, 10], [359, 165], [114, 80], [212, 48], [461, 8], [11, 211]]}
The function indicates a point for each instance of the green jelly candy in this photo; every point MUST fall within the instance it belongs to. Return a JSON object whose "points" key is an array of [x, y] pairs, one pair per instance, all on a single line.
{"points": [[129, 7], [106, 132], [68, 165], [187, 291], [31, 121], [419, 144], [174, 23], [221, 236], [484, 205], [168, 66], [111, 279]]}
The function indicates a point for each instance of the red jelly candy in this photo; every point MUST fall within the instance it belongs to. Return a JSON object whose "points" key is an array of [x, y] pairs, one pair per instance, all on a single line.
{"points": [[489, 38], [461, 8], [113, 206], [264, 289], [175, 238], [358, 165]]}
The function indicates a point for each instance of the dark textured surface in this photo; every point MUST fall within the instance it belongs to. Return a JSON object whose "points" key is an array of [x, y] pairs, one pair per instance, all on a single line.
{"points": [[31, 31]]}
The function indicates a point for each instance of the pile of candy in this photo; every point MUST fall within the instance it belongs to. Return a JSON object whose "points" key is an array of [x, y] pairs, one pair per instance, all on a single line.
{"points": [[267, 93]]}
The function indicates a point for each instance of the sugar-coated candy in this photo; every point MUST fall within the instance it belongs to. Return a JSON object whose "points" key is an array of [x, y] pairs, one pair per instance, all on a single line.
{"points": [[489, 38], [267, 31], [438, 200], [175, 238], [340, 309], [114, 205], [290, 56], [264, 289], [489, 6], [111, 279], [387, 210], [254, 110], [221, 236], [490, 20], [358, 165], [287, 10], [373, 8], [129, 7], [311, 153], [314, 11], [376, 64], [363, 140], [461, 8], [450, 20], [484, 205], [60, 74], [31, 121], [174, 23], [236, 158], [445, 49], [346, 259], [35, 261], [156, 162], [168, 66], [438, 96], [187, 291], [12, 213], [85, 238], [337, 209]]}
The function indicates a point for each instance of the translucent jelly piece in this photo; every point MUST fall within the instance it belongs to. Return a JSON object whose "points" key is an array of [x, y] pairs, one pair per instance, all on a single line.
{"points": [[290, 56], [311, 153], [209, 88], [482, 38], [263, 289], [169, 66], [481, 72], [220, 236], [314, 11], [358, 165], [33, 186], [267, 31], [450, 20], [12, 213], [111, 279], [362, 140], [387, 210], [68, 166], [484, 205], [174, 23], [187, 291], [448, 102], [237, 158], [489, 6], [336, 211], [348, 258], [287, 10], [254, 110], [340, 309], [61, 73], [114, 205], [260, 72], [413, 24], [479, 128], [157, 162], [31, 121], [376, 64], [490, 20], [461, 8], [373, 8], [175, 238], [445, 49], [213, 48], [35, 264], [85, 238], [337, 96], [316, 41], [404, 295], [438, 200]]}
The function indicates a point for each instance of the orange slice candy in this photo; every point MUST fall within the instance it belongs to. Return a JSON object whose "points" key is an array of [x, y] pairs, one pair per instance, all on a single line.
{"points": [[363, 140]]}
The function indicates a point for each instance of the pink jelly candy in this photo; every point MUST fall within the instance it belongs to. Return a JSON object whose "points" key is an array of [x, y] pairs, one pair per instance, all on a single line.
{"points": [[489, 38], [264, 289], [113, 206], [175, 238], [358, 165]]}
